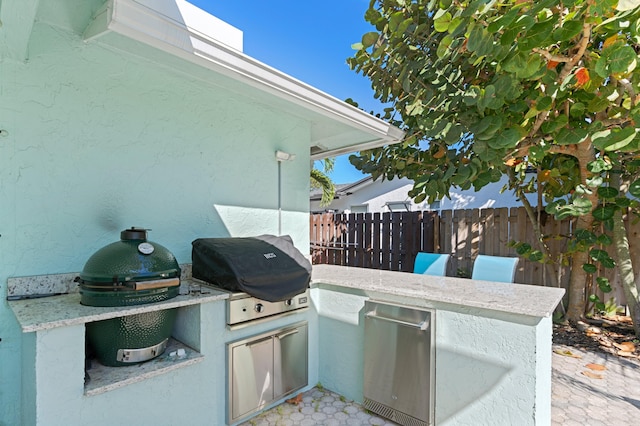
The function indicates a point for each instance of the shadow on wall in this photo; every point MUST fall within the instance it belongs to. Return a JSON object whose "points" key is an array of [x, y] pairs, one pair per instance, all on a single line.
{"points": [[454, 371]]}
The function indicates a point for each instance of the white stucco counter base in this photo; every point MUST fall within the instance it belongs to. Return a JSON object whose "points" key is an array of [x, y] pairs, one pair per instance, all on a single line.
{"points": [[492, 341]]}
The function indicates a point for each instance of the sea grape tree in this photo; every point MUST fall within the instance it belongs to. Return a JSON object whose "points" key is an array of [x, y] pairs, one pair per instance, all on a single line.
{"points": [[486, 88]]}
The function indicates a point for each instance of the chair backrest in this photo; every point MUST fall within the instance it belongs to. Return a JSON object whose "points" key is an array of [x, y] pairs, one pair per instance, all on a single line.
{"points": [[494, 268], [431, 264]]}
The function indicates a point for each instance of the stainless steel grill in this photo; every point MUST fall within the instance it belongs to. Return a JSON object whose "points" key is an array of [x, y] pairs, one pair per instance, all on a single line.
{"points": [[265, 276], [242, 307]]}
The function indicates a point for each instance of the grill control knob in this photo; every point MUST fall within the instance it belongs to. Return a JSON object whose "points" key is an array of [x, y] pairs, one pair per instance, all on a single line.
{"points": [[288, 302], [259, 307]]}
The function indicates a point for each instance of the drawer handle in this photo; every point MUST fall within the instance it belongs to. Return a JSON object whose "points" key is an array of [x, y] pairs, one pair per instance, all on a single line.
{"points": [[148, 285], [287, 333], [255, 342], [143, 354], [421, 325]]}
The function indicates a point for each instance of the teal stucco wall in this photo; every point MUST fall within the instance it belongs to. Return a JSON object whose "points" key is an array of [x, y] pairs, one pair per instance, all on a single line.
{"points": [[95, 141], [490, 367]]}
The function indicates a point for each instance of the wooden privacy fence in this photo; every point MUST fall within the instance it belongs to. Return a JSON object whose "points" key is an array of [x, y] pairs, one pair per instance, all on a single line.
{"points": [[392, 240], [372, 240]]}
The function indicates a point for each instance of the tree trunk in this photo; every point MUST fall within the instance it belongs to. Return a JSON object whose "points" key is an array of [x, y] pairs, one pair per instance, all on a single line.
{"points": [[584, 153], [578, 278], [624, 264], [551, 267]]}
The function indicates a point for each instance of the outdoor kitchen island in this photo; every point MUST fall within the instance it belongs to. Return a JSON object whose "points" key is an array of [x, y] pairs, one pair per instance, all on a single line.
{"points": [[492, 340], [492, 346]]}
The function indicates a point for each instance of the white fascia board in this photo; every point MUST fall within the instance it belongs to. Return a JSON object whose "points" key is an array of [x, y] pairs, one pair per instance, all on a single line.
{"points": [[392, 138], [173, 35]]}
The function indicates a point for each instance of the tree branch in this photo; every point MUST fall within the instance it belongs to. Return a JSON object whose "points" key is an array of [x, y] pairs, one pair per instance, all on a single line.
{"points": [[551, 57], [566, 70]]}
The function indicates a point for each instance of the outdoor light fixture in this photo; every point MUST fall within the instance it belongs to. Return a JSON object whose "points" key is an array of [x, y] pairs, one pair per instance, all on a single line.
{"points": [[280, 157], [284, 156]]}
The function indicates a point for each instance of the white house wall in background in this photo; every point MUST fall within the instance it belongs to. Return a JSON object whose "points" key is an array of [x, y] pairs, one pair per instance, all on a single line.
{"points": [[367, 195]]}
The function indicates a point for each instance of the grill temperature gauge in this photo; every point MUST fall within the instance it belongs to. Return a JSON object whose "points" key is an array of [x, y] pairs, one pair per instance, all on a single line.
{"points": [[146, 248]]}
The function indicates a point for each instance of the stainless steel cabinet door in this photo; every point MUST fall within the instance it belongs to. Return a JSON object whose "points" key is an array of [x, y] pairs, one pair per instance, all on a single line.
{"points": [[398, 362], [251, 376], [290, 360]]}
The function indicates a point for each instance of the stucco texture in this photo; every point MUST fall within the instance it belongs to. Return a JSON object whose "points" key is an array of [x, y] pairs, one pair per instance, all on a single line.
{"points": [[97, 140], [490, 367]]}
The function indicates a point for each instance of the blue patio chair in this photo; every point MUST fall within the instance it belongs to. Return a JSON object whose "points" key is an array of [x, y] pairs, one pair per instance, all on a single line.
{"points": [[431, 264], [494, 268]]}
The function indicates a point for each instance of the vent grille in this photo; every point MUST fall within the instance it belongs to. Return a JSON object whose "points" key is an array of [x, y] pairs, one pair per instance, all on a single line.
{"points": [[392, 414]]}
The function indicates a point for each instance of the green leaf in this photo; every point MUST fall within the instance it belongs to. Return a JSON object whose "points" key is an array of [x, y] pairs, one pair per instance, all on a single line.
{"points": [[544, 103], [369, 39], [523, 249], [624, 5], [598, 104], [602, 213], [551, 125], [536, 256], [583, 189], [571, 136], [577, 110], [608, 225], [475, 37], [603, 257], [634, 188], [487, 127], [604, 239], [581, 204], [607, 192], [463, 175], [595, 181], [394, 21], [622, 59], [533, 65], [454, 24], [420, 198], [603, 284], [584, 236], [504, 21], [536, 36], [443, 47], [453, 135], [509, 36], [561, 210], [441, 21], [623, 202], [598, 166], [613, 139], [536, 153], [616, 59], [589, 268], [507, 139], [568, 30]]}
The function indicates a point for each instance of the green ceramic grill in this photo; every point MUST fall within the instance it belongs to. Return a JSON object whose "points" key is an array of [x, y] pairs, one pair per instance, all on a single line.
{"points": [[132, 271]]}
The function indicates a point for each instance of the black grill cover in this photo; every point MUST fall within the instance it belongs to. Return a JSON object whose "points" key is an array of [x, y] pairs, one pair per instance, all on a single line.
{"points": [[267, 267]]}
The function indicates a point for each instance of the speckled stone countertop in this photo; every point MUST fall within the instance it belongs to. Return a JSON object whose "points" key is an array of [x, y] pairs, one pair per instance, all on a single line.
{"points": [[65, 310], [520, 299]]}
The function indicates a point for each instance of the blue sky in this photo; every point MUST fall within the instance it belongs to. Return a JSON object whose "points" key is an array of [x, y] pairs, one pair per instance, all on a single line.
{"points": [[308, 40]]}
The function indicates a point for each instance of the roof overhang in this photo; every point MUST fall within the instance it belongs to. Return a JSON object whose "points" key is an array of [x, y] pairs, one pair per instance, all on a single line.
{"points": [[347, 189], [337, 127]]}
